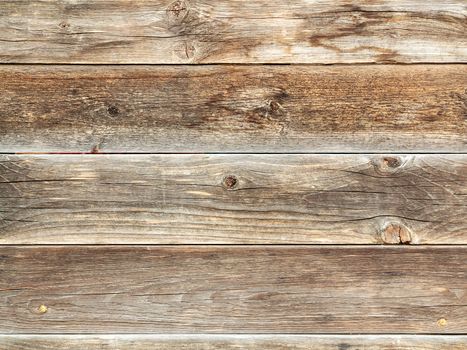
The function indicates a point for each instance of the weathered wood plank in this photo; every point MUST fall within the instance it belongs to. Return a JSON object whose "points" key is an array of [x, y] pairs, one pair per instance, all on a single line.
{"points": [[211, 31], [233, 289], [231, 342], [166, 199], [420, 108]]}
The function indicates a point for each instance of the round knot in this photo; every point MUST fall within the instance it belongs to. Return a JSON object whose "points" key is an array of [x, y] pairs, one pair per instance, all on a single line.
{"points": [[177, 10], [388, 165], [113, 111], [230, 182]]}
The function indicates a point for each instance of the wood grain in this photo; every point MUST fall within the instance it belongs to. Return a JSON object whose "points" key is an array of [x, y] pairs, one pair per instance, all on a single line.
{"points": [[193, 199], [233, 289], [213, 31], [390, 108], [231, 342]]}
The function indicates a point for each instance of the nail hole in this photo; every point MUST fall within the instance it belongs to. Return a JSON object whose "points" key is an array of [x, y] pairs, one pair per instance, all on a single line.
{"points": [[230, 182], [42, 309], [64, 25], [442, 322]]}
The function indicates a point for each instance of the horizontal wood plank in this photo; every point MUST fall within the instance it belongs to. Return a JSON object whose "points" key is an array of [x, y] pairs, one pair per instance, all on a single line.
{"points": [[231, 342], [233, 289], [391, 108], [193, 199], [213, 31]]}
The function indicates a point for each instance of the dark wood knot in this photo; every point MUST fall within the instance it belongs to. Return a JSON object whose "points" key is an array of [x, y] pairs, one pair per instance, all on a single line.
{"points": [[230, 182], [392, 162], [113, 111], [388, 165]]}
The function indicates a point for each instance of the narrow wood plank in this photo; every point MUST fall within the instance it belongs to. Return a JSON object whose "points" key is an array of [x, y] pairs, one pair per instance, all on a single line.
{"points": [[233, 289], [231, 342], [212, 31], [391, 108], [166, 199]]}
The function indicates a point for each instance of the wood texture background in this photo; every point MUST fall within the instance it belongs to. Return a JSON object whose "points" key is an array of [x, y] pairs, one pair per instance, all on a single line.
{"points": [[389, 108], [233, 31], [232, 342], [259, 156], [233, 289], [173, 199]]}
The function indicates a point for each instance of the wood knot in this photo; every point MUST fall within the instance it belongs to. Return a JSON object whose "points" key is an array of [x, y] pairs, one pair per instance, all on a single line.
{"points": [[113, 111], [177, 10], [42, 309], [396, 234], [64, 25], [275, 107], [392, 162], [388, 165], [230, 182]]}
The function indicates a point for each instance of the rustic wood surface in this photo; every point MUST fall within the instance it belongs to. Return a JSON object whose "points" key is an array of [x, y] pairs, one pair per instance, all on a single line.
{"points": [[233, 289], [231, 342], [167, 199], [391, 108], [261, 206], [211, 31]]}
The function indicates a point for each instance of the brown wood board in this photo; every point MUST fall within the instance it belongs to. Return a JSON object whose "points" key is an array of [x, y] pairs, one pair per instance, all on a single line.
{"points": [[391, 108], [233, 289]]}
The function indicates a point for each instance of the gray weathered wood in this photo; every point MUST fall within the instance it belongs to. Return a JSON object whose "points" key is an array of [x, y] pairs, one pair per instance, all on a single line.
{"points": [[166, 199], [191, 31], [233, 289], [393, 108], [231, 342]]}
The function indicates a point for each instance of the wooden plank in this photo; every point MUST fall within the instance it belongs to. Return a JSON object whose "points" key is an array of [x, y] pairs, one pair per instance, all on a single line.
{"points": [[193, 199], [213, 31], [393, 108], [233, 289], [231, 342]]}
